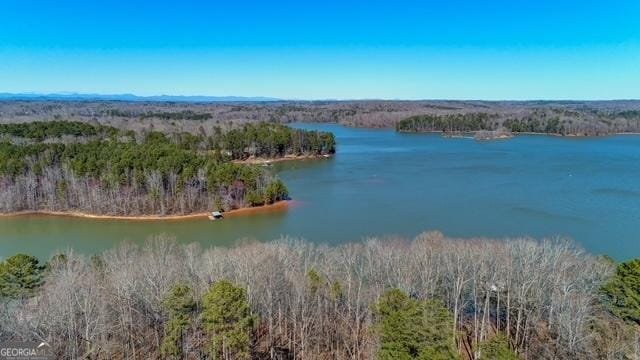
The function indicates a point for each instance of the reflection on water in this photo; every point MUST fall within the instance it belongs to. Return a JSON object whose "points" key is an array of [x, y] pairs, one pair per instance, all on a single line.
{"points": [[385, 183]]}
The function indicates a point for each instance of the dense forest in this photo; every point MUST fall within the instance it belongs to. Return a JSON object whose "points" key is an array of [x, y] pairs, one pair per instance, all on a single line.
{"points": [[447, 123], [558, 117], [429, 298], [540, 122], [79, 167]]}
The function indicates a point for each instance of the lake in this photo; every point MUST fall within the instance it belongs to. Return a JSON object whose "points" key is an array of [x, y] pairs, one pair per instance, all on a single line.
{"points": [[385, 183]]}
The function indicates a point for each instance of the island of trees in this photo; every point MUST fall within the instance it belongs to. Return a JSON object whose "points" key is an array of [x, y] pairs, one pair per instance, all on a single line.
{"points": [[429, 298], [66, 166]]}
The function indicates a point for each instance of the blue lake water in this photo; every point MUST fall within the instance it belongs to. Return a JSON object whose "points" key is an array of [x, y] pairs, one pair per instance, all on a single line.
{"points": [[385, 183]]}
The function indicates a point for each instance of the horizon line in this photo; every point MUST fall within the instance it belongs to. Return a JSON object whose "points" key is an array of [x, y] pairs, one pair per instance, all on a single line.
{"points": [[7, 95]]}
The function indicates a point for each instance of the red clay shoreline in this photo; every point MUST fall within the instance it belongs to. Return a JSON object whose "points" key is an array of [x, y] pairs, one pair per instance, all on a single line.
{"points": [[277, 206]]}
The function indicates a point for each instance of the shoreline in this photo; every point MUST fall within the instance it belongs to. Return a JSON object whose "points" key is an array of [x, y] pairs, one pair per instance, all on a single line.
{"points": [[515, 134], [263, 161], [281, 205]]}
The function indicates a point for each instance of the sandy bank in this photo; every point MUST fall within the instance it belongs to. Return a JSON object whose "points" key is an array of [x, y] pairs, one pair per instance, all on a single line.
{"points": [[278, 206]]}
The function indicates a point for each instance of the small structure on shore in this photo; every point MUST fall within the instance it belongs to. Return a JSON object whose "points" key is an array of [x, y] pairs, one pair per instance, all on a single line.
{"points": [[216, 215]]}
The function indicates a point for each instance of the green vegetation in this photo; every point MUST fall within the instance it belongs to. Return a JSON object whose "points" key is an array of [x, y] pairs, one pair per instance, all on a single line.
{"points": [[20, 276], [497, 348], [180, 305], [622, 292], [537, 122], [410, 329], [272, 140], [164, 115], [275, 191], [53, 129], [448, 123], [226, 315], [119, 173], [180, 115], [291, 299], [533, 125]]}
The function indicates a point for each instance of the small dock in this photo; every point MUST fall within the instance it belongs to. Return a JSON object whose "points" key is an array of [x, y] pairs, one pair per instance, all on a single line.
{"points": [[216, 215]]}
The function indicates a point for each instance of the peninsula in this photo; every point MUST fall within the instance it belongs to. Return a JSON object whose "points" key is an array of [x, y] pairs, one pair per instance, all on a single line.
{"points": [[93, 170]]}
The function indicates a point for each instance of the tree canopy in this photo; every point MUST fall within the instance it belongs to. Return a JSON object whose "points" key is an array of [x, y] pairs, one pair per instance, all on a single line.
{"points": [[52, 129], [179, 304], [410, 329], [497, 348], [622, 292], [20, 275], [109, 171], [227, 317]]}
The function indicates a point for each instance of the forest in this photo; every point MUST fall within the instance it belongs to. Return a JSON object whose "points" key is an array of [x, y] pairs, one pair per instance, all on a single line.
{"points": [[382, 298], [539, 122], [579, 118], [446, 123], [54, 129], [78, 167]]}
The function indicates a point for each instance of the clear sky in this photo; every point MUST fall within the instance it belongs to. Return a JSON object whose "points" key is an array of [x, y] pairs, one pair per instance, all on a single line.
{"points": [[454, 49]]}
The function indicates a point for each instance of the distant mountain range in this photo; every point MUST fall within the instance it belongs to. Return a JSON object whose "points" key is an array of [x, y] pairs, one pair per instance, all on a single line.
{"points": [[131, 97], [63, 96]]}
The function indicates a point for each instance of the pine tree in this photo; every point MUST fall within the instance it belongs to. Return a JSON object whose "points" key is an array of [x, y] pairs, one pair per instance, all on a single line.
{"points": [[438, 336], [227, 317], [622, 292], [180, 305], [409, 329], [20, 275], [497, 348], [275, 191]]}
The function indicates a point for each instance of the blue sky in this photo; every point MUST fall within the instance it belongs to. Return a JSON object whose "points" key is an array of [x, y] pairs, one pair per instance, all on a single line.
{"points": [[456, 49]]}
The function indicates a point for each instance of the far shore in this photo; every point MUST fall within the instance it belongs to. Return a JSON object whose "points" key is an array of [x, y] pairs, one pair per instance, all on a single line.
{"points": [[260, 161], [515, 134], [277, 206]]}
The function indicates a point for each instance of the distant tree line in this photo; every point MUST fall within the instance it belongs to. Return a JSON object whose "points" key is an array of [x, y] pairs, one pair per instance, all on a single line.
{"points": [[164, 115], [540, 121], [446, 123], [180, 115], [430, 298], [574, 117], [54, 129], [551, 126], [124, 173], [473, 122], [626, 114]]}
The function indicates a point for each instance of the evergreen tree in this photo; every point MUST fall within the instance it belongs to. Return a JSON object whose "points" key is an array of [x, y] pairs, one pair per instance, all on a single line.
{"points": [[438, 334], [226, 316], [622, 292], [409, 329], [276, 191], [497, 348], [179, 304], [20, 275]]}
